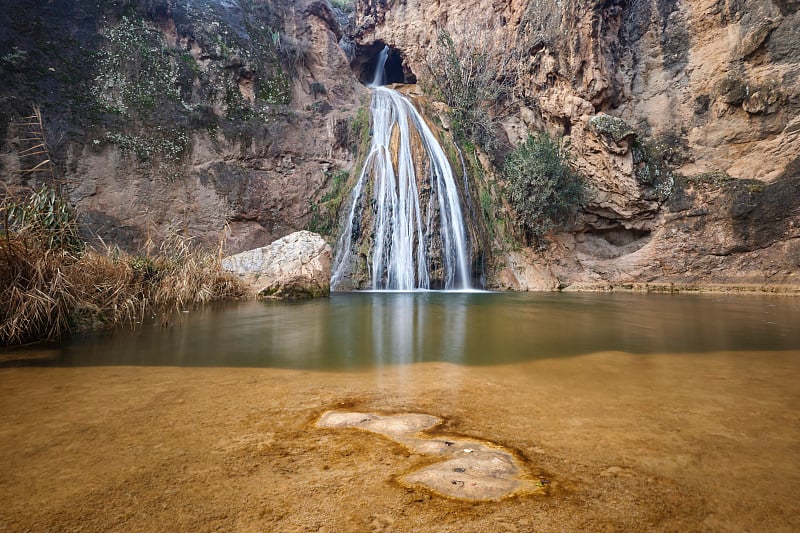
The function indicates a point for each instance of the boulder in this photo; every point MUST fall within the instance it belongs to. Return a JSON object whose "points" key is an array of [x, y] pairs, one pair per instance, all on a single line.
{"points": [[297, 266]]}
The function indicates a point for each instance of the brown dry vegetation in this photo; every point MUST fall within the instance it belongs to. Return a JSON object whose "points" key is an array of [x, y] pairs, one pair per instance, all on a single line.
{"points": [[51, 285]]}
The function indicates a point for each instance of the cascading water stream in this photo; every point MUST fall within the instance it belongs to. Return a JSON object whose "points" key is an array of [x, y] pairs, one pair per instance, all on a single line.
{"points": [[417, 236]]}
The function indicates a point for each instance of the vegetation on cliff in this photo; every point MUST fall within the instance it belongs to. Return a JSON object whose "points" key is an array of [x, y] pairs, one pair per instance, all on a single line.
{"points": [[147, 75], [542, 188], [468, 78], [544, 191]]}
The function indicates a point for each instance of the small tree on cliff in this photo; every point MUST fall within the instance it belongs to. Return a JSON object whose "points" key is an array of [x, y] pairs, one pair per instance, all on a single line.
{"points": [[542, 188], [469, 76]]}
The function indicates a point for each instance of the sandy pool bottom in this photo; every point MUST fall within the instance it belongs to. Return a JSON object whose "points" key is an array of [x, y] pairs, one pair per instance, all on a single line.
{"points": [[619, 442]]}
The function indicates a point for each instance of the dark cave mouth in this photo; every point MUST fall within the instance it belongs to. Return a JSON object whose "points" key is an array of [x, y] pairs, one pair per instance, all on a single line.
{"points": [[365, 62]]}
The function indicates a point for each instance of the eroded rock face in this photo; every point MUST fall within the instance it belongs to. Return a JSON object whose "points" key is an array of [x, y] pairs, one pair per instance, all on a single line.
{"points": [[297, 266], [248, 120], [225, 120], [715, 82]]}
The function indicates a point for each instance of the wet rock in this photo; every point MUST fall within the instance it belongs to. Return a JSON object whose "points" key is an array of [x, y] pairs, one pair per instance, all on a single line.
{"points": [[725, 100], [297, 266]]}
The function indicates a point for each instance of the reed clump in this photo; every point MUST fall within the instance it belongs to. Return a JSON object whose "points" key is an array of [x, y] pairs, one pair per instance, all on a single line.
{"points": [[52, 285]]}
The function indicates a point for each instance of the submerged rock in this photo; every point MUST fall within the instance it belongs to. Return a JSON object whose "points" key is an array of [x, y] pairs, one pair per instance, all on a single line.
{"points": [[467, 469], [297, 266]]}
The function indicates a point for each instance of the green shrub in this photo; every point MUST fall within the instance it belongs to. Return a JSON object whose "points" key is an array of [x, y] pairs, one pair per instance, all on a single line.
{"points": [[317, 89], [45, 214], [542, 188], [651, 165], [347, 6]]}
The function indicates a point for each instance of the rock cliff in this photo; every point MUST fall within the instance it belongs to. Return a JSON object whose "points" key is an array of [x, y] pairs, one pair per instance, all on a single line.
{"points": [[239, 120], [224, 119], [711, 87]]}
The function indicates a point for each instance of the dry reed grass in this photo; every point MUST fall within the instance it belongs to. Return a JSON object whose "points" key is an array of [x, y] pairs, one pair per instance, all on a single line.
{"points": [[50, 288]]}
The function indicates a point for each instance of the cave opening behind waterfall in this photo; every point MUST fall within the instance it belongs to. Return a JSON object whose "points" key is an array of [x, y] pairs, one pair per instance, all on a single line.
{"points": [[366, 58]]}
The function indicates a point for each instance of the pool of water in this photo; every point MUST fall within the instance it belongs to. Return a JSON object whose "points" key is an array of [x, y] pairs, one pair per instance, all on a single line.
{"points": [[368, 330]]}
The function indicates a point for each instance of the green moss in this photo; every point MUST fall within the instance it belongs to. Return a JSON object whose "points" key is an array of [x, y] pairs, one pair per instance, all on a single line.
{"points": [[488, 212], [609, 126], [294, 292], [325, 213], [715, 177], [168, 146], [135, 70], [360, 131], [275, 90], [191, 63], [651, 167]]}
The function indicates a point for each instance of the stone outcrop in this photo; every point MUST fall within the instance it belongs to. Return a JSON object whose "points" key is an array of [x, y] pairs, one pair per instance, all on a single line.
{"points": [[297, 266]]}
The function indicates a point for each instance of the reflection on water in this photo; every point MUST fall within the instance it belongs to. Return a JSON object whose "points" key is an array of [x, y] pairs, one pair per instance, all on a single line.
{"points": [[357, 330]]}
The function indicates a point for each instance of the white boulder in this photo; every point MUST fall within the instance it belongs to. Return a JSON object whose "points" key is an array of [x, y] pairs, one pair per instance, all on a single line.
{"points": [[295, 267]]}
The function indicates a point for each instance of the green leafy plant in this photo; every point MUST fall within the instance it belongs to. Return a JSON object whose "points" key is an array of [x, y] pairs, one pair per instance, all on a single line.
{"points": [[542, 188], [347, 6], [651, 165], [47, 216]]}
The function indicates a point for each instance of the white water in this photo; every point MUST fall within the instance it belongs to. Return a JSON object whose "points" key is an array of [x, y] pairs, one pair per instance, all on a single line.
{"points": [[402, 230]]}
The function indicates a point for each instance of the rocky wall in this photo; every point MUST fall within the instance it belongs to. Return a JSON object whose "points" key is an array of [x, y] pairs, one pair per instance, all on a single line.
{"points": [[684, 116], [224, 120]]}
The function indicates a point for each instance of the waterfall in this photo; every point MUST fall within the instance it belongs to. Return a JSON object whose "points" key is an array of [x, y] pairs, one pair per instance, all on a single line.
{"points": [[405, 205], [377, 80]]}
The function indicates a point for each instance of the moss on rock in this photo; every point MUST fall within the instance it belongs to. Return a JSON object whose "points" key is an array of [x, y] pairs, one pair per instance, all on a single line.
{"points": [[611, 127]]}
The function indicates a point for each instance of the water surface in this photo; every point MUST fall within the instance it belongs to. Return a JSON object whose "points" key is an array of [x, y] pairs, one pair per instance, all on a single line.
{"points": [[645, 413], [365, 330]]}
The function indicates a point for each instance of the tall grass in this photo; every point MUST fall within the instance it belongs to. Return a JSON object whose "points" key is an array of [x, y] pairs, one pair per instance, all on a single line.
{"points": [[51, 286]]}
